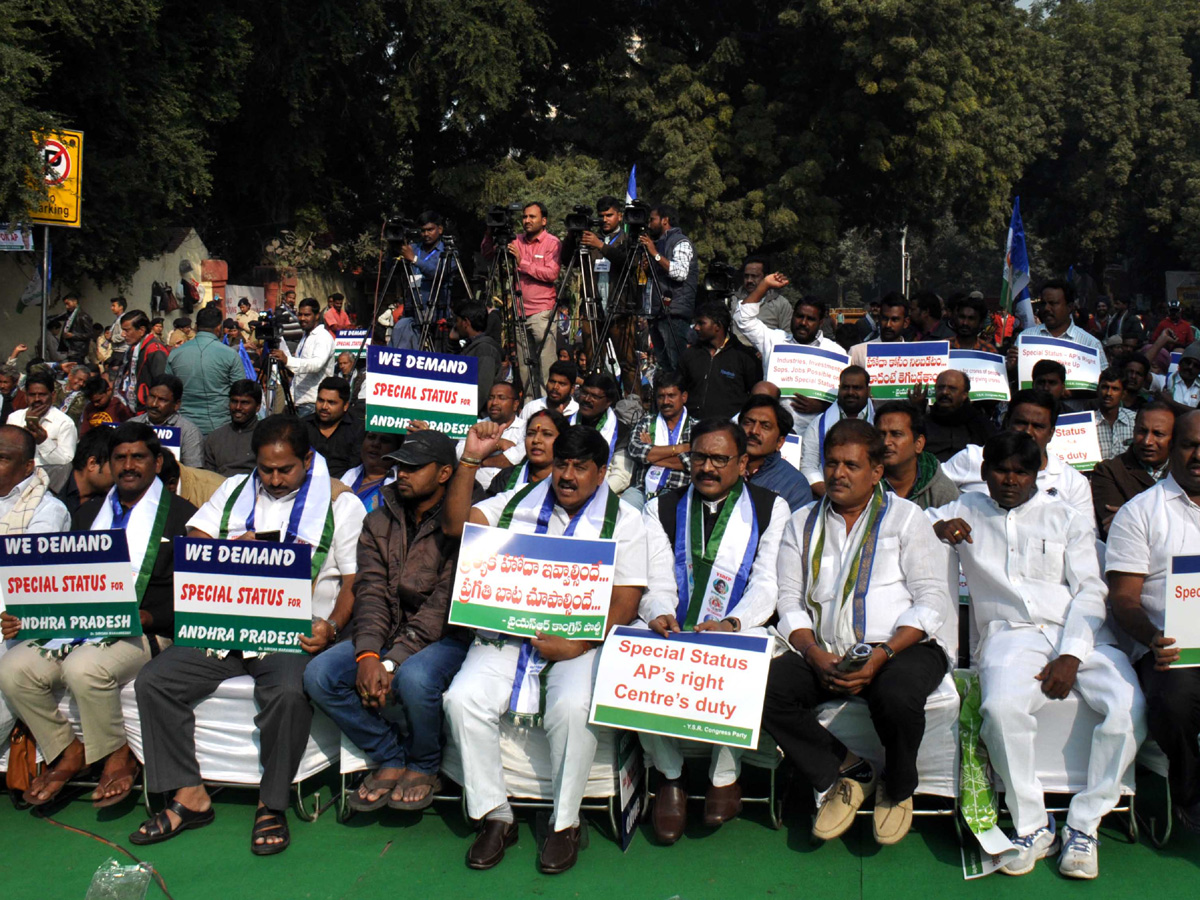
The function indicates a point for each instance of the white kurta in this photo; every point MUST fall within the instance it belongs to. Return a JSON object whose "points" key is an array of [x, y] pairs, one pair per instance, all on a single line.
{"points": [[58, 449], [965, 469]]}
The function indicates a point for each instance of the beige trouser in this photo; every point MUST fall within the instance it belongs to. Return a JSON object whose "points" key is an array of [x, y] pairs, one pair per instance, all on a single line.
{"points": [[533, 332], [94, 674]]}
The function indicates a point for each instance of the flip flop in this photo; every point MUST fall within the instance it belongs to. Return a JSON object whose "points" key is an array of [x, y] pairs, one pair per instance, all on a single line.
{"points": [[55, 781], [158, 828], [418, 780], [128, 772], [371, 783], [269, 824]]}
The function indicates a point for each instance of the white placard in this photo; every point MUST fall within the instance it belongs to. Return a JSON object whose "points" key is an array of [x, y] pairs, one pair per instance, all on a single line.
{"points": [[1183, 609], [1082, 363], [798, 369], [1076, 441], [989, 377]]}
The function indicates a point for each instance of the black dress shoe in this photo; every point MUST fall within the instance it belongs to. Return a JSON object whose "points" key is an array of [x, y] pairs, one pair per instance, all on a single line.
{"points": [[560, 851], [670, 811], [494, 838]]}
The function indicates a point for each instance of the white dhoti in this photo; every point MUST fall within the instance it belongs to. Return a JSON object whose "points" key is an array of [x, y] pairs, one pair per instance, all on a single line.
{"points": [[479, 696], [666, 755], [1009, 661]]}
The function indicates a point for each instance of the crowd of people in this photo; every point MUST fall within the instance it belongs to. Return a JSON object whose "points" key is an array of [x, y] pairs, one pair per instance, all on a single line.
{"points": [[853, 540]]}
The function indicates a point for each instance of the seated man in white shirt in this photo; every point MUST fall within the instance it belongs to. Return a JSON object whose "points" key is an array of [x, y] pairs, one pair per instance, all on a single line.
{"points": [[289, 497], [865, 605], [52, 429], [513, 677], [728, 584], [26, 504], [1035, 413], [1040, 619], [313, 359], [1146, 535]]}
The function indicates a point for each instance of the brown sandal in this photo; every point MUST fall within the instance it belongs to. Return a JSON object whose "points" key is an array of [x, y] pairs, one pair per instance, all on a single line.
{"points": [[128, 773], [357, 802], [416, 779]]}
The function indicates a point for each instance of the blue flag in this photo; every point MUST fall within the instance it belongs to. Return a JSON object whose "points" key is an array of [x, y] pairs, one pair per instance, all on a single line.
{"points": [[1014, 296], [631, 188]]}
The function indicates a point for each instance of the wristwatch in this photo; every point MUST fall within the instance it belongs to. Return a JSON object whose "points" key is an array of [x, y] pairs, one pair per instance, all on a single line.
{"points": [[657, 257], [389, 665], [333, 626]]}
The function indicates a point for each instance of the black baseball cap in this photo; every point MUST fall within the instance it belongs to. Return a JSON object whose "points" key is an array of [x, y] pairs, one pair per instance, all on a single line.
{"points": [[420, 448]]}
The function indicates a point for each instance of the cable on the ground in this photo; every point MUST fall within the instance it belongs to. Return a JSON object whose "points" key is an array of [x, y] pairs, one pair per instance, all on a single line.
{"points": [[158, 879]]}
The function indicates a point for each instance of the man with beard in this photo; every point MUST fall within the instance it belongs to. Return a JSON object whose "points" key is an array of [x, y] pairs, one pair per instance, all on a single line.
{"points": [[1116, 481], [671, 284], [607, 252], [953, 421], [332, 430], [926, 318], [806, 319], [969, 317], [909, 470], [228, 450], [854, 402], [893, 321], [1114, 423], [559, 385], [774, 310], [723, 535], [718, 372], [765, 423], [503, 404], [54, 433], [596, 399], [162, 410]]}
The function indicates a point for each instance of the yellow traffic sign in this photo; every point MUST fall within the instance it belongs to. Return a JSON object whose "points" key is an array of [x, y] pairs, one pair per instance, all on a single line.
{"points": [[62, 167]]}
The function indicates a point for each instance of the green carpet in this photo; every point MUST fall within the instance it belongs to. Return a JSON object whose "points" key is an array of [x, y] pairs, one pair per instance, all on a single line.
{"points": [[395, 855]]}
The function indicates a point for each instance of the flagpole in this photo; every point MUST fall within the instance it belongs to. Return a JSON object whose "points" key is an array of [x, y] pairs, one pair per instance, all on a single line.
{"points": [[45, 285]]}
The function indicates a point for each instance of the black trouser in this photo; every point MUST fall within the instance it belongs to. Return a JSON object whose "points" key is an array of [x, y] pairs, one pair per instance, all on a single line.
{"points": [[1173, 716], [169, 686], [896, 700]]}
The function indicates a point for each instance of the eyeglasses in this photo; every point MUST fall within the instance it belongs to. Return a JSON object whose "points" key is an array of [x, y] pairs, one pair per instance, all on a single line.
{"points": [[700, 460]]}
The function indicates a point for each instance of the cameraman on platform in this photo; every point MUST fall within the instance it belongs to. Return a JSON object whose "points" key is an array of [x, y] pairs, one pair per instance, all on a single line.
{"points": [[670, 285], [312, 357], [536, 254], [608, 252], [425, 258]]}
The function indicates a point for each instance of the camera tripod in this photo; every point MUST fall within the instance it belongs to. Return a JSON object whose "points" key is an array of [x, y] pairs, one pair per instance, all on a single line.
{"points": [[589, 301], [619, 293], [435, 314], [274, 379], [504, 283]]}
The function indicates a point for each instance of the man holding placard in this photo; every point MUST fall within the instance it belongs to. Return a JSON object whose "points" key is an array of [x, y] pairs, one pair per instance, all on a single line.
{"points": [[1035, 413], [1152, 586], [546, 679], [864, 603], [854, 402], [807, 315], [723, 535], [1040, 619], [289, 497], [94, 670], [1054, 310], [174, 431]]}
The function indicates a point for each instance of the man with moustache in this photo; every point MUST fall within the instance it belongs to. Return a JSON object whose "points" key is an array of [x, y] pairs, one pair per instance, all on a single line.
{"points": [[893, 322], [909, 470], [1114, 423], [229, 450], [95, 670], [723, 534], [1118, 480], [765, 423], [1040, 617], [557, 393], [953, 421], [860, 567], [659, 443], [807, 315], [969, 316], [854, 402]]}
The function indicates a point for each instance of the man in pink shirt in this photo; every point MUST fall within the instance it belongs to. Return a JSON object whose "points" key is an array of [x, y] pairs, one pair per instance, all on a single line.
{"points": [[335, 317], [536, 253]]}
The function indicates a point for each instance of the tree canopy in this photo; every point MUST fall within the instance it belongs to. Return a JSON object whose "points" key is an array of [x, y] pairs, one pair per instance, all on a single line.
{"points": [[813, 130]]}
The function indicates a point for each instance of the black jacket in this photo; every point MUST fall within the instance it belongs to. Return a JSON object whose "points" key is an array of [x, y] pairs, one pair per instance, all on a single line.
{"points": [[718, 385], [945, 437], [486, 349], [159, 599]]}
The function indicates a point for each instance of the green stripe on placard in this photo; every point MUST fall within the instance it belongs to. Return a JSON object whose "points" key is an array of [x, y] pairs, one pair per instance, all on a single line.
{"points": [[686, 728], [214, 631], [1188, 657], [891, 391], [389, 418], [1070, 385], [1084, 466], [808, 392], [527, 624], [91, 620], [988, 395]]}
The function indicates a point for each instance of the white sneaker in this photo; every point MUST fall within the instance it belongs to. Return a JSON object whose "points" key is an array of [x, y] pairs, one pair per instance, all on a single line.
{"points": [[1080, 854], [1032, 847]]}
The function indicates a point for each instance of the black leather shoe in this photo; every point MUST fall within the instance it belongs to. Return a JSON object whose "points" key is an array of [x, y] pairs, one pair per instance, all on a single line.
{"points": [[494, 838], [560, 851], [670, 811]]}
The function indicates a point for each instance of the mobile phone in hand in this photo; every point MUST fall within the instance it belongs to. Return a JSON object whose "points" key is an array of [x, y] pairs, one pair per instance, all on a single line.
{"points": [[271, 536]]}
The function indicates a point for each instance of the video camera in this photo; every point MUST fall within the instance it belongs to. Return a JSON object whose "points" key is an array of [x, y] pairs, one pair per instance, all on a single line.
{"points": [[268, 331], [637, 216], [398, 230], [721, 279], [580, 219], [499, 221]]}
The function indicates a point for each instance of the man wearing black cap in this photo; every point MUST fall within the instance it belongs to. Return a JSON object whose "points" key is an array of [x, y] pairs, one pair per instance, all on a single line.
{"points": [[403, 649]]}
